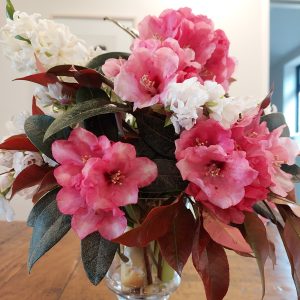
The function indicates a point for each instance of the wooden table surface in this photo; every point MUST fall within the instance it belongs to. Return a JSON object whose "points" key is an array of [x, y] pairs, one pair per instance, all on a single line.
{"points": [[60, 275]]}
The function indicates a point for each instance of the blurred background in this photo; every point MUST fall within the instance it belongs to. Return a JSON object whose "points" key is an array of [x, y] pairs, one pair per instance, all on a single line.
{"points": [[264, 35]]}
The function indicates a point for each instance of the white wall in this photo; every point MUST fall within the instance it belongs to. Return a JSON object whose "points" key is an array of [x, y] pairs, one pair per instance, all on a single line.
{"points": [[245, 22]]}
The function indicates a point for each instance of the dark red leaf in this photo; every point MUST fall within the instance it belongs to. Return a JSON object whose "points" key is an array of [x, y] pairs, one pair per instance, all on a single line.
{"points": [[225, 235], [210, 261], [157, 223], [18, 142], [176, 245], [35, 109], [256, 235], [65, 70], [41, 78], [47, 184], [89, 78], [29, 177], [266, 102]]}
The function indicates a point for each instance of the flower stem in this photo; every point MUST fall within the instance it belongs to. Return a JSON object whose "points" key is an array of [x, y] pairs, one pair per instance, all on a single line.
{"points": [[148, 266]]}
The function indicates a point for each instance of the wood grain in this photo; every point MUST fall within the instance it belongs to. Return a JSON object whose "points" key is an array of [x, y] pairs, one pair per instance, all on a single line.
{"points": [[59, 275]]}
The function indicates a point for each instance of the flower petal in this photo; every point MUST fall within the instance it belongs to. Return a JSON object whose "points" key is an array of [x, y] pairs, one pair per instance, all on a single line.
{"points": [[64, 152], [68, 175], [69, 201]]}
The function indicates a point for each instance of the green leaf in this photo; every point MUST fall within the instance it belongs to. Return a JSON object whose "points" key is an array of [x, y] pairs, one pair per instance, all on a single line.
{"points": [[83, 111], [168, 181], [19, 37], [44, 202], [102, 124], [35, 128], [293, 170], [97, 255], [10, 10], [155, 134], [274, 121], [50, 226], [97, 62]]}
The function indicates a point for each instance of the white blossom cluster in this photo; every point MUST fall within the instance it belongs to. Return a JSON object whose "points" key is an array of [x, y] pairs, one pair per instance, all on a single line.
{"points": [[27, 36], [188, 99]]}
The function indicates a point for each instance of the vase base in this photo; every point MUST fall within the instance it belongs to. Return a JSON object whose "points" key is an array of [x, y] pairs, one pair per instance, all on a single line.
{"points": [[136, 297]]}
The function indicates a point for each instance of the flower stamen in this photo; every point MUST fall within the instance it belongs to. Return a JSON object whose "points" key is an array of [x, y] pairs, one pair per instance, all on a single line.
{"points": [[148, 84], [117, 178]]}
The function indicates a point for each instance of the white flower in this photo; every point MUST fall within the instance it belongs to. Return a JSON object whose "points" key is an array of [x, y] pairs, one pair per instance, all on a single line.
{"points": [[228, 110], [6, 181], [16, 124], [185, 101], [6, 210], [52, 43], [6, 160], [49, 161], [24, 159]]}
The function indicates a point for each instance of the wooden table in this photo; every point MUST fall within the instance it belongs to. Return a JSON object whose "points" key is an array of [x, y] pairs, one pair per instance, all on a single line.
{"points": [[59, 274]]}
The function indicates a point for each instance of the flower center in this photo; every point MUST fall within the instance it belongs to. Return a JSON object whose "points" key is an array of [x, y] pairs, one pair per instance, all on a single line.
{"points": [[148, 84], [116, 178], [214, 169], [199, 143], [85, 158], [277, 162]]}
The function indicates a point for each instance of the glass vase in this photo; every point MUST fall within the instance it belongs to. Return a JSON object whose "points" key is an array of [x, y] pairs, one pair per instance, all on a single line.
{"points": [[141, 273]]}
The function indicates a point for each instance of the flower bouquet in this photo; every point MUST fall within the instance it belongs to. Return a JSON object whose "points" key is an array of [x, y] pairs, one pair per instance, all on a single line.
{"points": [[146, 156]]}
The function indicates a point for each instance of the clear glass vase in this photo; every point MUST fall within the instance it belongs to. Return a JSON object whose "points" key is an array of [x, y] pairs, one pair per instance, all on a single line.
{"points": [[141, 273]]}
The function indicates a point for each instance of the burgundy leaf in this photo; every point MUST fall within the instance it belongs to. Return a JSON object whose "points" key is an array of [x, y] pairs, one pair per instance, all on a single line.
{"points": [[41, 78], [157, 223], [47, 184], [18, 142], [210, 261], [224, 234], [35, 109], [266, 102], [176, 245], [65, 70], [89, 78], [282, 201], [256, 235], [29, 177]]}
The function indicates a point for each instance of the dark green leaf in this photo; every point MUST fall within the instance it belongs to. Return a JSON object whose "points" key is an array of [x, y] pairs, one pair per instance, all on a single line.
{"points": [[50, 226], [274, 121], [293, 170], [81, 112], [44, 202], [155, 134], [10, 9], [35, 128], [102, 124], [19, 37], [97, 255], [169, 180], [97, 62]]}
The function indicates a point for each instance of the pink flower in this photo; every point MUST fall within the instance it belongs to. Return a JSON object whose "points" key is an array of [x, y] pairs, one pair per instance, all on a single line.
{"points": [[204, 133], [221, 177], [219, 67], [115, 179], [195, 32], [112, 67], [97, 178], [144, 76]]}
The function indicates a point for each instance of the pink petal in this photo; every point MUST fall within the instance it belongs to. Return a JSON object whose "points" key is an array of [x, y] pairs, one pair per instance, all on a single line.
{"points": [[69, 201], [143, 171], [68, 175], [85, 223], [64, 152], [112, 226]]}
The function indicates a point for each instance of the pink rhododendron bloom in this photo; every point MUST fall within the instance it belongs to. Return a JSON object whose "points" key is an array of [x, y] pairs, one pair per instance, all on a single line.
{"points": [[221, 177], [144, 76], [204, 133], [219, 67], [112, 67], [194, 32], [97, 178], [114, 180]]}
